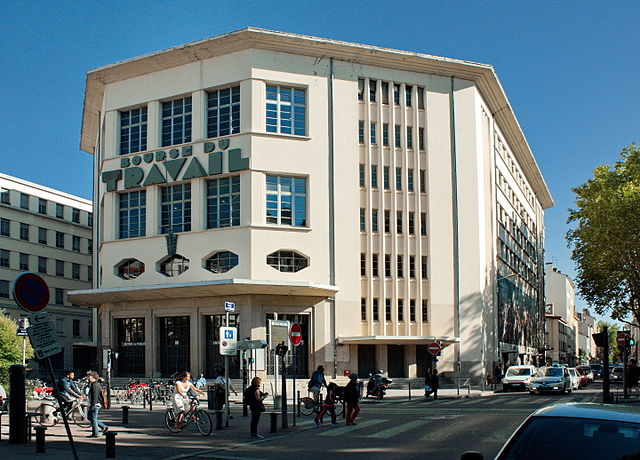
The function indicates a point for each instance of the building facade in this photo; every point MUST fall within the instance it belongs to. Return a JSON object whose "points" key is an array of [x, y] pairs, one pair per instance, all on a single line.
{"points": [[49, 232], [382, 199]]}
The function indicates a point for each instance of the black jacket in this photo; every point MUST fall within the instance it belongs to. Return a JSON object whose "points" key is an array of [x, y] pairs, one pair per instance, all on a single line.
{"points": [[351, 395], [95, 391]]}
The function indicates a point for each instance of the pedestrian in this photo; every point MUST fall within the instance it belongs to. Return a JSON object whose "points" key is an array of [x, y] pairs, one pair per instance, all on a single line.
{"points": [[201, 382], [498, 373], [96, 401], [427, 384], [223, 386], [435, 383], [254, 398], [316, 382], [633, 375], [181, 399], [328, 405], [352, 398]]}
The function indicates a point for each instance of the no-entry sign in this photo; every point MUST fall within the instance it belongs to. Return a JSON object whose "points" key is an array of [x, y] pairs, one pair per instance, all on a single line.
{"points": [[434, 348], [30, 292], [295, 334], [621, 338]]}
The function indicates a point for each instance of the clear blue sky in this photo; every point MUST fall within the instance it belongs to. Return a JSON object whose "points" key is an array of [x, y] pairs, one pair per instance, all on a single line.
{"points": [[570, 70]]}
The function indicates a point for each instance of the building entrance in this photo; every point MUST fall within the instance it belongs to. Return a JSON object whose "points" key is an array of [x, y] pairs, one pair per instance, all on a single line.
{"points": [[131, 347], [214, 360], [174, 345], [366, 360], [302, 351], [424, 360], [396, 361]]}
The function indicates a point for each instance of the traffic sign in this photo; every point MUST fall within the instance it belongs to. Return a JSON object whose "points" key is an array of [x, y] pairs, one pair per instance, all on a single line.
{"points": [[43, 336], [278, 333], [229, 306], [22, 332], [295, 334], [434, 348], [30, 292], [251, 345], [621, 338], [228, 341]]}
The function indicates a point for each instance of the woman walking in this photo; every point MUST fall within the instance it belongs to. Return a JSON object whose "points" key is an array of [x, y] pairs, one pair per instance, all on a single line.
{"points": [[254, 399], [95, 403], [328, 405], [181, 400], [352, 398]]}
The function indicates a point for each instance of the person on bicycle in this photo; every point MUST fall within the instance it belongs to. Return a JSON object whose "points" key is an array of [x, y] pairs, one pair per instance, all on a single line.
{"points": [[328, 405], [181, 400], [96, 401], [69, 391], [317, 382]]}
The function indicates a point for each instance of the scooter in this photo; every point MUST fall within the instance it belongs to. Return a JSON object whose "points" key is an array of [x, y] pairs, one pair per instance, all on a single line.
{"points": [[377, 385]]}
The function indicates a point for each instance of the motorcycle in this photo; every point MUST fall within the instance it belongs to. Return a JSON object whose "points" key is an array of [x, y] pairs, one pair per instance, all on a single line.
{"points": [[377, 385]]}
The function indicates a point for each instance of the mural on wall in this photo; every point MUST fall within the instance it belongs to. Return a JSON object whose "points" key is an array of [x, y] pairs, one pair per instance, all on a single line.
{"points": [[519, 321]]}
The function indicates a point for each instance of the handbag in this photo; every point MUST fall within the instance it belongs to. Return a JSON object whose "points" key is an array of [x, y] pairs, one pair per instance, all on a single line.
{"points": [[262, 408], [427, 388]]}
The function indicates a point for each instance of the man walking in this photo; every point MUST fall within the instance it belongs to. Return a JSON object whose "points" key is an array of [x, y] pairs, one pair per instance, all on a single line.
{"points": [[352, 398], [435, 383]]}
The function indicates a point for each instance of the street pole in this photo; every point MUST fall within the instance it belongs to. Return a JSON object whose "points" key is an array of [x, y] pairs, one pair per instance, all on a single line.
{"points": [[226, 376], [285, 417], [62, 411], [605, 370], [295, 371], [24, 351]]}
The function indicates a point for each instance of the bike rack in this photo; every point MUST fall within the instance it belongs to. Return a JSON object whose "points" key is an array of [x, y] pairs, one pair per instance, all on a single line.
{"points": [[463, 382]]}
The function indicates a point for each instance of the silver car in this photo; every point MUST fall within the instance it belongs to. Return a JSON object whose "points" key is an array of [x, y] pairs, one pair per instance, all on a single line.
{"points": [[551, 379]]}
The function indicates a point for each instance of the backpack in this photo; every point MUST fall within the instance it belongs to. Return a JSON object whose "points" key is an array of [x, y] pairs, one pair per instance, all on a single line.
{"points": [[248, 395], [340, 392], [311, 384]]}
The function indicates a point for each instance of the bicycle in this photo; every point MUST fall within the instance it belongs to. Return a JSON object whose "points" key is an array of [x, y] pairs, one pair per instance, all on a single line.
{"points": [[50, 414], [308, 405], [200, 417]]}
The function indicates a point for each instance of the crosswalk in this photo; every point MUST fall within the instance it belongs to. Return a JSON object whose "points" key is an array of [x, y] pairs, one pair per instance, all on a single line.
{"points": [[537, 401]]}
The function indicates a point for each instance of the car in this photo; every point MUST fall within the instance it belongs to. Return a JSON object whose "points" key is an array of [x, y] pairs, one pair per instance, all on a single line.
{"points": [[584, 381], [518, 377], [588, 372], [616, 374], [597, 369], [575, 378], [551, 379], [599, 431]]}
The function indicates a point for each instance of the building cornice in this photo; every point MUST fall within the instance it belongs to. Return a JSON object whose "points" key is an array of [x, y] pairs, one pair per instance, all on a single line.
{"points": [[483, 75]]}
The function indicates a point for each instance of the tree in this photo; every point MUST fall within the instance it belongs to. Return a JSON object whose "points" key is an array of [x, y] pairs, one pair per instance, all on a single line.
{"points": [[606, 239], [10, 348], [612, 332]]}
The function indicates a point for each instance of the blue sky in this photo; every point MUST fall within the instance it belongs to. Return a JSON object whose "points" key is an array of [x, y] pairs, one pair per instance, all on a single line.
{"points": [[570, 70]]}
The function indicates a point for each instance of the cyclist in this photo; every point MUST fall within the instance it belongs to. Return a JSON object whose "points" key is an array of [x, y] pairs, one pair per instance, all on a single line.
{"points": [[181, 399], [69, 391], [316, 383]]}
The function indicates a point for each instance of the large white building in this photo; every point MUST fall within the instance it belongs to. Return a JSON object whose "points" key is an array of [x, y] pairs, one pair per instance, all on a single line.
{"points": [[49, 232], [383, 199]]}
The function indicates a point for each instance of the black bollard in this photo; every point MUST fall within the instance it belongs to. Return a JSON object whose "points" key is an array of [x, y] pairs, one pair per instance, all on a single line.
{"points": [[17, 404], [274, 422], [111, 444], [218, 420], [150, 400], [125, 415], [40, 433]]}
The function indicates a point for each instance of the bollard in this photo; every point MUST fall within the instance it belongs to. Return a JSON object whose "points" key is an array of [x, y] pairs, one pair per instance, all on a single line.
{"points": [[298, 405], [409, 391], [40, 433], [17, 404], [150, 400], [111, 444], [274, 422], [218, 420], [125, 415]]}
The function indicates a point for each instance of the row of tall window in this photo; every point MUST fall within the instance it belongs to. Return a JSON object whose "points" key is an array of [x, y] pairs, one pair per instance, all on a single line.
{"points": [[286, 204], [284, 112], [397, 135], [29, 202], [514, 168], [400, 271], [44, 265], [390, 92], [386, 178], [388, 308], [44, 236], [399, 227]]}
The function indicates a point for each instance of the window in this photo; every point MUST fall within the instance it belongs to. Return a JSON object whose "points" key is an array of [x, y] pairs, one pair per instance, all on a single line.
{"points": [[59, 211], [387, 221], [174, 265], [59, 268], [42, 235], [400, 310], [362, 176], [287, 200], [176, 122], [75, 215], [363, 226], [5, 227], [374, 220], [130, 269], [133, 214], [373, 133], [398, 178], [24, 201], [423, 223], [412, 310], [398, 140], [425, 317], [420, 97], [286, 108], [412, 267], [75, 243], [363, 305], [75, 271], [400, 267], [387, 309], [396, 94], [409, 137], [423, 267], [223, 112], [374, 176], [386, 177], [76, 328], [59, 296], [363, 264], [24, 261], [423, 182], [4, 288], [399, 221], [361, 131], [90, 329], [408, 94], [385, 92], [387, 265], [360, 89], [24, 232], [89, 273], [421, 138], [410, 180], [42, 265], [60, 240], [376, 310], [374, 265], [60, 326], [175, 208], [4, 258], [223, 202], [42, 206], [4, 196], [90, 219], [385, 134], [287, 261], [89, 247], [412, 225], [133, 130], [221, 262], [372, 90]]}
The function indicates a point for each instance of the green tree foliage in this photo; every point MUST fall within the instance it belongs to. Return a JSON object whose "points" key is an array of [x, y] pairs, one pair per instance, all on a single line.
{"points": [[10, 348], [605, 241], [612, 332]]}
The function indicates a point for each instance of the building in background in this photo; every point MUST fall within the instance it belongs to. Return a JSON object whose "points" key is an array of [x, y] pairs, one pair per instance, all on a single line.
{"points": [[49, 232], [382, 199], [587, 350]]}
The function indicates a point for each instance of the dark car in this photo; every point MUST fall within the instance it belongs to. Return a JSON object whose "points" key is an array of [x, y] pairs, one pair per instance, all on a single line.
{"points": [[597, 370], [599, 431]]}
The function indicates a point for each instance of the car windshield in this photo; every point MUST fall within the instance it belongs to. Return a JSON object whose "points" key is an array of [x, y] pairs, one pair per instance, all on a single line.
{"points": [[550, 372], [556, 438], [518, 371], [596, 366]]}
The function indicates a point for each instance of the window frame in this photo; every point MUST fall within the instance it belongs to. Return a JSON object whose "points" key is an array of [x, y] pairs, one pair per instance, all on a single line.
{"points": [[126, 128], [274, 199], [228, 113], [175, 208], [297, 116], [176, 126], [225, 201]]}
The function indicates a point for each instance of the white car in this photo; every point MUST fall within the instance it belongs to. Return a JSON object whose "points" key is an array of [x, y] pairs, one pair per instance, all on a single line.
{"points": [[576, 379], [518, 377]]}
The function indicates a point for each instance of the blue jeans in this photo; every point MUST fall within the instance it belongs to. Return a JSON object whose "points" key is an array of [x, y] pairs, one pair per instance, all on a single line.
{"points": [[95, 423]]}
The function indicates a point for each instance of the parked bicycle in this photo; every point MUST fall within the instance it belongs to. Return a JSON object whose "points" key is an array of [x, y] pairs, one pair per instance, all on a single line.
{"points": [[50, 414], [307, 405], [199, 416]]}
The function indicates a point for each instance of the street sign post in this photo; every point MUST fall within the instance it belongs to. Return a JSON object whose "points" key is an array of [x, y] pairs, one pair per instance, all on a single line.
{"points": [[30, 292], [295, 336], [228, 341], [230, 307], [434, 348], [43, 336]]}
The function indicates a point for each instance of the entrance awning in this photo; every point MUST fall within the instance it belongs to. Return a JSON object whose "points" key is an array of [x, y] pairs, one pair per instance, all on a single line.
{"points": [[209, 288], [397, 340]]}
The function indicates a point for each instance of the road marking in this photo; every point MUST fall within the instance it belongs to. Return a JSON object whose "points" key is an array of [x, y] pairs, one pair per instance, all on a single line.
{"points": [[345, 429], [227, 457], [442, 432], [390, 432]]}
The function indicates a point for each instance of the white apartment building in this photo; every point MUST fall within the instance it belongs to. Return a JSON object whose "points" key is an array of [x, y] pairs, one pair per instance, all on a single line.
{"points": [[49, 232], [587, 350], [383, 199]]}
